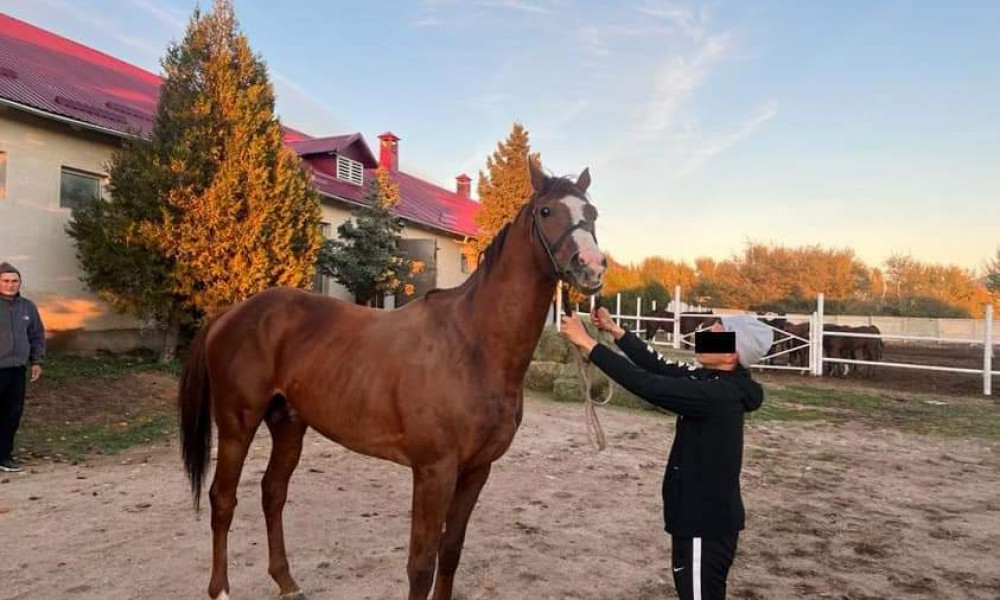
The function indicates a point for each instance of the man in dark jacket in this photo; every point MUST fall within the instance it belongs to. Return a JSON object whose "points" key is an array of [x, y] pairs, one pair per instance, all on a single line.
{"points": [[702, 505], [22, 345]]}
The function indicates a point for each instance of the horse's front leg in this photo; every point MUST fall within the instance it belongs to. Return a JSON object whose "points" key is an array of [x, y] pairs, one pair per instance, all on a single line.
{"points": [[466, 494], [433, 489]]}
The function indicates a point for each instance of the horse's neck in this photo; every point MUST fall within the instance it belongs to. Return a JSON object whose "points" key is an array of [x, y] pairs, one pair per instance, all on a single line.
{"points": [[510, 302]]}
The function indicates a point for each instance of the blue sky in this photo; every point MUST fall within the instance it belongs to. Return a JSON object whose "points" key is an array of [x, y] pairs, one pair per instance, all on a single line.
{"points": [[862, 124]]}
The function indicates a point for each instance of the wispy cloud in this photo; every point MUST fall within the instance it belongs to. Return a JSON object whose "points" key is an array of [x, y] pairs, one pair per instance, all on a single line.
{"points": [[708, 149], [692, 25], [301, 108], [594, 40], [170, 17], [597, 39], [676, 79], [150, 53], [517, 5], [664, 134], [430, 15], [429, 21]]}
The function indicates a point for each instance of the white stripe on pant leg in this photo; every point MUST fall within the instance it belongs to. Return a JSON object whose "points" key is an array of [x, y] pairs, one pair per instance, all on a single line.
{"points": [[696, 568]]}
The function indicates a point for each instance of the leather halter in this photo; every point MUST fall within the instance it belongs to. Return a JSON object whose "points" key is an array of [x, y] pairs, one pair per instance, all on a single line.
{"points": [[551, 249]]}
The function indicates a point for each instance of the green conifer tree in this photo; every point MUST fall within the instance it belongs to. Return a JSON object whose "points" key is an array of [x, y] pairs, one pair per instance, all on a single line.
{"points": [[219, 205], [365, 258]]}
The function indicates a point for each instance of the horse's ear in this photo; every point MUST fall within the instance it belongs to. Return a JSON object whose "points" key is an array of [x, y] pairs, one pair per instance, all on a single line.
{"points": [[538, 177], [583, 181]]}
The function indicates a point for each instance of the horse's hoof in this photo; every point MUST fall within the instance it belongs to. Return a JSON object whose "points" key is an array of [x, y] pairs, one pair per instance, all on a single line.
{"points": [[296, 595]]}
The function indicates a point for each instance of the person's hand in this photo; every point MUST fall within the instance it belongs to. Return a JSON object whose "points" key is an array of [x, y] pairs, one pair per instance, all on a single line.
{"points": [[576, 333], [602, 319], [36, 372]]}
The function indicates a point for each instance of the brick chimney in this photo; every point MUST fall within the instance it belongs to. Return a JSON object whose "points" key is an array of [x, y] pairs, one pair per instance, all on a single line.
{"points": [[463, 186], [389, 151]]}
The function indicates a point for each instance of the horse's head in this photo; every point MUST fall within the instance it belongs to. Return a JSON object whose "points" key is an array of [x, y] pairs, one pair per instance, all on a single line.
{"points": [[563, 220]]}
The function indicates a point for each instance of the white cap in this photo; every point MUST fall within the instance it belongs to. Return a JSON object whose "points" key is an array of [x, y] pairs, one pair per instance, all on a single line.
{"points": [[753, 338]]}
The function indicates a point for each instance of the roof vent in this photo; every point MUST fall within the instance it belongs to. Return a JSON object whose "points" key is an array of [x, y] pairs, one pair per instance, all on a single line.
{"points": [[8, 73], [90, 110], [350, 170], [129, 110]]}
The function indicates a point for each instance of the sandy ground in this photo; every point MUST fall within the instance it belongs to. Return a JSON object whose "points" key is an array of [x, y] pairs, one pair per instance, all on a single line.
{"points": [[849, 512]]}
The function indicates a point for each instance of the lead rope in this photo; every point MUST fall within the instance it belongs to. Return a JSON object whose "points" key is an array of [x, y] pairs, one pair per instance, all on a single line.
{"points": [[595, 433]]}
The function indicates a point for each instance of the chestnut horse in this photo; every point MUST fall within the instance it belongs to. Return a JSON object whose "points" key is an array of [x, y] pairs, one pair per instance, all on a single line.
{"points": [[435, 386]]}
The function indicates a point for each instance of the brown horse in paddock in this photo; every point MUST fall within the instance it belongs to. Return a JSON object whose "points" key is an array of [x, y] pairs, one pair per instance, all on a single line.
{"points": [[435, 386], [780, 342], [689, 323], [854, 348], [800, 356]]}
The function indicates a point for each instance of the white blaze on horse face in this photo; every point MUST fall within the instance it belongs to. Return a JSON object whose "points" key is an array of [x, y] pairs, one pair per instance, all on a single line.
{"points": [[583, 242]]}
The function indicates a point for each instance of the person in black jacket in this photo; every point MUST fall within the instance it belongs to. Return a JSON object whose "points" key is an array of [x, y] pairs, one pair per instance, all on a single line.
{"points": [[702, 505]]}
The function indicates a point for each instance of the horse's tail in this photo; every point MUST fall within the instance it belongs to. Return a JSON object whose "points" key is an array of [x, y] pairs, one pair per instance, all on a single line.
{"points": [[194, 407]]}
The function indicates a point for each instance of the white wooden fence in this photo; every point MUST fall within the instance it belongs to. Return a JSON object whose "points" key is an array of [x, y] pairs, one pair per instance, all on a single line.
{"points": [[976, 332]]}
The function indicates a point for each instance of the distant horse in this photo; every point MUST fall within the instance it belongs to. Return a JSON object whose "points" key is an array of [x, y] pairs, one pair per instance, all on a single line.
{"points": [[435, 386], [853, 348], [800, 356], [689, 323], [780, 342]]}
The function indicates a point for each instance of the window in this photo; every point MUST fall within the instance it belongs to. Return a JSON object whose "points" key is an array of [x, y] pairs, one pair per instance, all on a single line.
{"points": [[77, 188], [466, 267], [321, 283], [350, 170], [3, 174]]}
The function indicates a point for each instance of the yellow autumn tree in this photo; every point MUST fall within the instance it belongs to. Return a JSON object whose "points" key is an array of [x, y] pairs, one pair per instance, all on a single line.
{"points": [[213, 207], [505, 186]]}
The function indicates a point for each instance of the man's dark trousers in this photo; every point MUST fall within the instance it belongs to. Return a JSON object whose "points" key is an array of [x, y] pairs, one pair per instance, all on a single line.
{"points": [[12, 388], [701, 566]]}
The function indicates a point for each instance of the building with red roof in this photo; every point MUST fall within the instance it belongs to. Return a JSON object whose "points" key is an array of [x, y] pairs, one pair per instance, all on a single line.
{"points": [[64, 108]]}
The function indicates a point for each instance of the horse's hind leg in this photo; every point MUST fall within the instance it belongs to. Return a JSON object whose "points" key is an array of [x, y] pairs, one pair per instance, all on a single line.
{"points": [[287, 432], [466, 495], [236, 431]]}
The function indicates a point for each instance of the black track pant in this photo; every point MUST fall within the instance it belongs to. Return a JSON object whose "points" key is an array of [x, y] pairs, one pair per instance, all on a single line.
{"points": [[701, 566], [12, 388]]}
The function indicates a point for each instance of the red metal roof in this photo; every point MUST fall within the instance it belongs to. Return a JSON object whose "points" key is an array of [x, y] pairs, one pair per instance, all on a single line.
{"points": [[53, 74], [419, 200], [334, 143], [49, 73]]}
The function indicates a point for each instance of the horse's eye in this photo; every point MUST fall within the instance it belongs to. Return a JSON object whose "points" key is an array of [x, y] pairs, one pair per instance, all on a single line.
{"points": [[545, 212]]}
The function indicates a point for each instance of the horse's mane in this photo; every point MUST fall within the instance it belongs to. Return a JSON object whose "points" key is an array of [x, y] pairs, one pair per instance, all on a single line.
{"points": [[487, 258]]}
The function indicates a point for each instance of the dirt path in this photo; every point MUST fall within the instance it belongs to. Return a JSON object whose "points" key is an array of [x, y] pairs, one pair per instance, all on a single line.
{"points": [[845, 512]]}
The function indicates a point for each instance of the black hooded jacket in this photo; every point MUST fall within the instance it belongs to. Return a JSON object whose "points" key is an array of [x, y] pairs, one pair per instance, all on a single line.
{"points": [[701, 488]]}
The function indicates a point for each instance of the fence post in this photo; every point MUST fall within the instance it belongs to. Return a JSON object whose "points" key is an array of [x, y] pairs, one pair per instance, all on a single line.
{"points": [[618, 309], [812, 343], [638, 314], [592, 301], [677, 317], [817, 336], [559, 307], [988, 352], [653, 307]]}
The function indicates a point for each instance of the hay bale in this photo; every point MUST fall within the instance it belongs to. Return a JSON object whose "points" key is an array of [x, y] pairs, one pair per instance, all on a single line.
{"points": [[566, 389], [541, 375], [552, 347]]}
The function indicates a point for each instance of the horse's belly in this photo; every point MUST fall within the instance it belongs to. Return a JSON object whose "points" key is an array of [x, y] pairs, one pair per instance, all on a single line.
{"points": [[359, 417]]}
